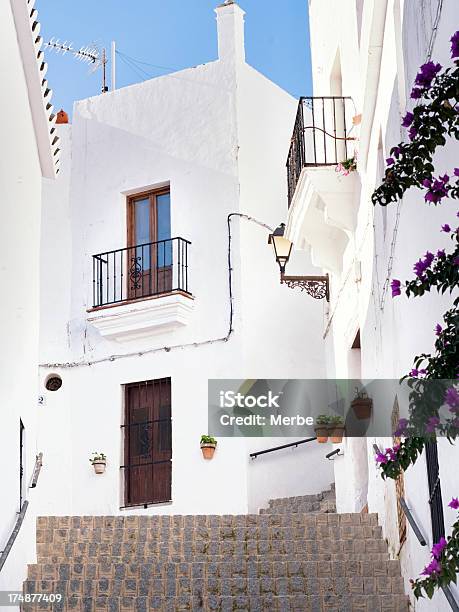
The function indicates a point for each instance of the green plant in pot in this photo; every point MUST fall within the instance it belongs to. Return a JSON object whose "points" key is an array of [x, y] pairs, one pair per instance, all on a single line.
{"points": [[208, 446], [362, 405], [336, 429], [322, 428], [99, 462]]}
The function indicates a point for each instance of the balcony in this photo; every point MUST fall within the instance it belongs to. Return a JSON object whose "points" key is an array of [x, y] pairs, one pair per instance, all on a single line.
{"points": [[140, 290], [322, 201]]}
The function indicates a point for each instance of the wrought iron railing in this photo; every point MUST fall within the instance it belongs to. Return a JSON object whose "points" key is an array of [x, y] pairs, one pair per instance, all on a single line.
{"points": [[320, 135], [140, 271]]}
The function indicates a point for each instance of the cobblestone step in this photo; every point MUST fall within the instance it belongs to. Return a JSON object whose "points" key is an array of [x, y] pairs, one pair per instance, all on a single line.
{"points": [[119, 569], [268, 603], [304, 508], [177, 534], [238, 559], [191, 521], [224, 587], [300, 499], [212, 547]]}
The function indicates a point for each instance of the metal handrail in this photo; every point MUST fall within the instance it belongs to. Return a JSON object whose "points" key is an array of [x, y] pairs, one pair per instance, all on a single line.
{"points": [[14, 534], [417, 532], [21, 514], [276, 448]]}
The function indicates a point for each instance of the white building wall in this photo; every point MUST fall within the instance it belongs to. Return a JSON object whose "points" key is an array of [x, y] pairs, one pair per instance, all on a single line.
{"points": [[392, 331], [20, 202], [219, 134]]}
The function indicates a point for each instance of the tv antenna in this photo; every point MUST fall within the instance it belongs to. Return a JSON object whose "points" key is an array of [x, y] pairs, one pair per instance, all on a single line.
{"points": [[90, 54]]}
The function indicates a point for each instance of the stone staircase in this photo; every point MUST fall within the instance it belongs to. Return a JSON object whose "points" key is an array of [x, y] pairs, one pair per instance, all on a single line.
{"points": [[297, 555]]}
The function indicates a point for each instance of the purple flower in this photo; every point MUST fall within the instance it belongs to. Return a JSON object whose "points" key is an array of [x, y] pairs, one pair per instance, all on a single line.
{"points": [[391, 453], [427, 182], [434, 567], [432, 424], [407, 119], [455, 45], [390, 161], [456, 171], [454, 503], [456, 261], [438, 329], [414, 372], [439, 547], [438, 189], [396, 151], [395, 286], [428, 259], [401, 429], [446, 228], [416, 93], [419, 268], [452, 397], [381, 458], [412, 132], [426, 73], [441, 253]]}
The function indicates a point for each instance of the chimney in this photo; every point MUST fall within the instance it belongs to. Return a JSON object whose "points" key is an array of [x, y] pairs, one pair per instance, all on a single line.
{"points": [[62, 117], [230, 27]]}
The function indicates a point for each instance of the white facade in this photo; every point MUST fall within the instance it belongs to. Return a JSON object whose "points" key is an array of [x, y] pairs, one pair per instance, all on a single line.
{"points": [[371, 50], [29, 145], [218, 134]]}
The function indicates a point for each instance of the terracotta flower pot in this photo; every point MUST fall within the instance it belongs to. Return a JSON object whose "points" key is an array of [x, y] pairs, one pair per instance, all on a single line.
{"points": [[362, 407], [336, 434], [99, 467], [321, 433], [208, 450]]}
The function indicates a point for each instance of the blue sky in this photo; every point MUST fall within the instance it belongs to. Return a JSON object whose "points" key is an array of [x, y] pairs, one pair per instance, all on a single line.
{"points": [[173, 34]]}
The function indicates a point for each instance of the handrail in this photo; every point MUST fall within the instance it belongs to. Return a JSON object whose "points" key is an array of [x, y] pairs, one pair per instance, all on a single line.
{"points": [[276, 448], [14, 534], [337, 452], [412, 522], [417, 532], [36, 470]]}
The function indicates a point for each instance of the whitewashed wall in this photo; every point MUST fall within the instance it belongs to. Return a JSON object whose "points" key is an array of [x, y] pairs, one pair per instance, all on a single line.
{"points": [[381, 45], [220, 134], [20, 202]]}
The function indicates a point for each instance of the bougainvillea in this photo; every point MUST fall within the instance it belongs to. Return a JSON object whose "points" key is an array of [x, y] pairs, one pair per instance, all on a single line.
{"points": [[434, 395]]}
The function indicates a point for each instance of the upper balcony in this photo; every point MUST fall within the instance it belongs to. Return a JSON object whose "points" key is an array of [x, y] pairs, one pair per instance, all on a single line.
{"points": [[321, 197], [321, 136], [141, 289]]}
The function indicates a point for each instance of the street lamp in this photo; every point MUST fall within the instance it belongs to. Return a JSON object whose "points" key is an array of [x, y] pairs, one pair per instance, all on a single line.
{"points": [[316, 286]]}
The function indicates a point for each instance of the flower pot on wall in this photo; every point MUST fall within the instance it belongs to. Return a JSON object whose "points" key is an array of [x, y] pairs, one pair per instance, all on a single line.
{"points": [[321, 433], [362, 407], [336, 434], [99, 467], [208, 450]]}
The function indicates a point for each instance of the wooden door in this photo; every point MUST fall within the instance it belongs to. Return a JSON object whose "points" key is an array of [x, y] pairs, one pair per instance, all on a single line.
{"points": [[149, 258], [148, 442]]}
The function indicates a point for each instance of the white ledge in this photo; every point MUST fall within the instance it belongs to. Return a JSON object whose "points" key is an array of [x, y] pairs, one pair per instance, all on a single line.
{"points": [[323, 213], [153, 315]]}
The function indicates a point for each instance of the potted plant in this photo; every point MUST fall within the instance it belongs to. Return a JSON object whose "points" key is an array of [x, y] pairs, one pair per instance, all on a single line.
{"points": [[361, 405], [321, 428], [208, 446], [336, 426], [347, 166], [98, 461]]}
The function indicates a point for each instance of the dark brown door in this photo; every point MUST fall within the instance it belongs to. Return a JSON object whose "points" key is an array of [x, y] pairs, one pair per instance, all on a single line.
{"points": [[148, 442], [149, 236]]}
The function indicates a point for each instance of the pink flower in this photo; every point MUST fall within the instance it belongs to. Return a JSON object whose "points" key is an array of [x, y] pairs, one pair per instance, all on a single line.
{"points": [[434, 567], [381, 458], [454, 503], [439, 547]]}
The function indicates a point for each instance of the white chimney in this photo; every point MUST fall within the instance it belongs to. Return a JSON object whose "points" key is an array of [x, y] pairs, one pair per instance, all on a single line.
{"points": [[230, 26]]}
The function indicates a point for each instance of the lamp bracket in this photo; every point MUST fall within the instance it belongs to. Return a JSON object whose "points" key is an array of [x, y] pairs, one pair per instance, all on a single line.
{"points": [[315, 286]]}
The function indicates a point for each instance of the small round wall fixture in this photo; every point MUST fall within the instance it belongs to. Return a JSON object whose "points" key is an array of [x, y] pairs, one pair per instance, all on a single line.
{"points": [[53, 382]]}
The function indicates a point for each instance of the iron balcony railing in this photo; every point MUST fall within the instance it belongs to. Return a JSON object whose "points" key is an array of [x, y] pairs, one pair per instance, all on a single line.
{"points": [[320, 135], [140, 271]]}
